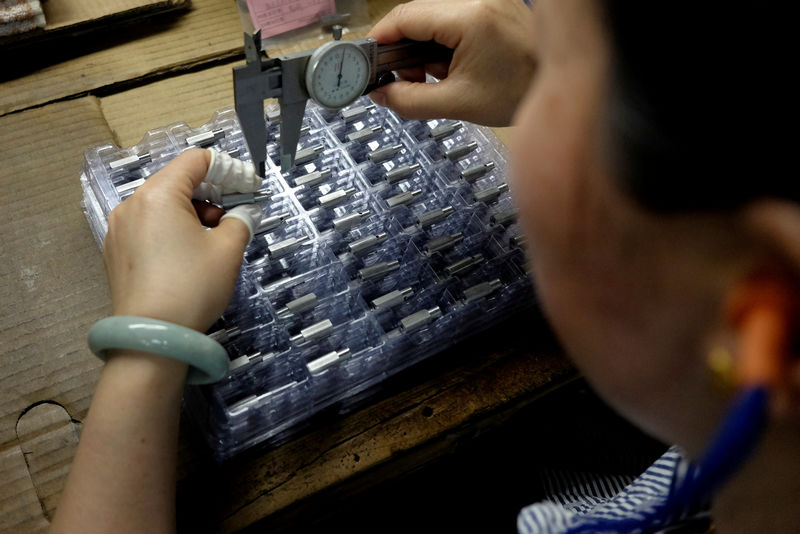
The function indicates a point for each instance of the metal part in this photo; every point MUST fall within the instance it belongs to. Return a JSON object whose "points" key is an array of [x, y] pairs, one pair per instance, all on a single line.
{"points": [[237, 199], [298, 305], [382, 154], [324, 362], [445, 130], [403, 198], [345, 222], [378, 270], [224, 335], [401, 173], [367, 243], [206, 138], [274, 115], [235, 152], [315, 331], [434, 216], [490, 194], [444, 242], [458, 152], [304, 130], [364, 135], [473, 173], [357, 112], [131, 162], [308, 154], [129, 186], [287, 246], [336, 31], [392, 299], [479, 291], [464, 264], [336, 197], [313, 178], [504, 217], [417, 320], [518, 241], [272, 222]]}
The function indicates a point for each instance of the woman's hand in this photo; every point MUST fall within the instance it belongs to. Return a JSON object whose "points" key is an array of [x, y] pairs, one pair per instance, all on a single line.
{"points": [[492, 62], [161, 261]]}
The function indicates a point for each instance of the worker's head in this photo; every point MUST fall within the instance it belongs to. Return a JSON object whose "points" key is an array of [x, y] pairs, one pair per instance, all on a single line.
{"points": [[652, 202]]}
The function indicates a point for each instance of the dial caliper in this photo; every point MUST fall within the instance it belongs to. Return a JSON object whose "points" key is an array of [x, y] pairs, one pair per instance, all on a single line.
{"points": [[334, 75]]}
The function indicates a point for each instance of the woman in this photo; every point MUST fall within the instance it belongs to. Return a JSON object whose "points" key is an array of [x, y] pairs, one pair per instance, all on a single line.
{"points": [[664, 246]]}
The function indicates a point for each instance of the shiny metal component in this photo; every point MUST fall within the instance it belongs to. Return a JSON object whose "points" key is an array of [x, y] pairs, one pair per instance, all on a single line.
{"points": [[237, 199], [324, 362], [392, 299], [479, 291], [458, 152], [131, 162], [249, 359], [341, 224], [272, 222], [304, 130], [490, 194], [287, 246], [403, 198], [445, 130], [335, 198], [378, 270], [224, 335], [206, 138], [417, 320], [274, 115], [129, 186], [464, 264], [367, 243], [235, 152], [313, 178], [356, 112], [384, 153], [505, 217], [315, 331], [432, 217], [401, 173], [364, 135], [518, 241], [298, 305], [308, 154], [443, 243], [473, 173]]}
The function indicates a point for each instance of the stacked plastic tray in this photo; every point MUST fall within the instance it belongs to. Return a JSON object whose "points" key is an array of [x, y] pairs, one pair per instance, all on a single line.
{"points": [[389, 241]]}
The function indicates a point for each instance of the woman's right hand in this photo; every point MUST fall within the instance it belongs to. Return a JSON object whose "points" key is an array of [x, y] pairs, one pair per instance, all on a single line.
{"points": [[492, 62]]}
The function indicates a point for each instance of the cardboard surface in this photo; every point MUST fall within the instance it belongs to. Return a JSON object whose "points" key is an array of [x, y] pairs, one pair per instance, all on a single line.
{"points": [[52, 288]]}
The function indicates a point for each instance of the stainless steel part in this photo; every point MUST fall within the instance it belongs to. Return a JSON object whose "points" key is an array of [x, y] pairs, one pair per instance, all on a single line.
{"points": [[129, 186], [131, 162], [403, 198], [335, 198], [432, 217], [364, 135], [384, 153], [357, 112], [479, 291], [234, 153], [237, 199], [206, 138], [473, 173], [458, 152], [248, 359], [517, 241], [401, 173], [367, 243], [308, 154], [392, 299], [464, 264], [346, 222], [304, 130], [298, 305], [445, 130], [313, 178], [324, 362], [505, 217], [287, 246], [379, 269], [417, 320], [315, 331], [272, 222], [444, 242], [225, 334], [490, 194]]}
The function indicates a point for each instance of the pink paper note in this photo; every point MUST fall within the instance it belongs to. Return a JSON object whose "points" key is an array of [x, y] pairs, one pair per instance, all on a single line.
{"points": [[278, 16]]}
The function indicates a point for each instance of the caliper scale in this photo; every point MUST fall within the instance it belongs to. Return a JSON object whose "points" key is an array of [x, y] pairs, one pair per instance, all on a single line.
{"points": [[334, 75]]}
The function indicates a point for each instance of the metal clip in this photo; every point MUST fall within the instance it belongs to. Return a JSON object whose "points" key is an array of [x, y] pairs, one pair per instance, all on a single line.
{"points": [[356, 112], [298, 306], [346, 222], [403, 198], [308, 154], [131, 162], [272, 222], [458, 152], [473, 173], [504, 217], [367, 243], [444, 242], [313, 178], [206, 138], [417, 320], [464, 264], [479, 291], [364, 135], [392, 299], [382, 154], [315, 331], [378, 270], [237, 199], [490, 194], [401, 173], [434, 216], [287, 246], [335, 198], [324, 362], [445, 130]]}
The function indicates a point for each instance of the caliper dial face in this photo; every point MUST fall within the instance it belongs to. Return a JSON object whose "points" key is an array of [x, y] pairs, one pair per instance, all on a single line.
{"points": [[337, 74]]}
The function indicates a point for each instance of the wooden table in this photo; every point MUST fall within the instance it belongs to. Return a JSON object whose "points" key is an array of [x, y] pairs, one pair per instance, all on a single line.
{"points": [[114, 87]]}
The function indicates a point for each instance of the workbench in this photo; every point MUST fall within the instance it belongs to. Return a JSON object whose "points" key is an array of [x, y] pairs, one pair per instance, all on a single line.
{"points": [[116, 86]]}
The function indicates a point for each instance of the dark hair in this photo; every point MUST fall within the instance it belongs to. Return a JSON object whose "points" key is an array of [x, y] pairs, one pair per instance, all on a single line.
{"points": [[695, 104]]}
